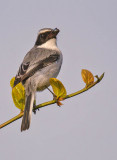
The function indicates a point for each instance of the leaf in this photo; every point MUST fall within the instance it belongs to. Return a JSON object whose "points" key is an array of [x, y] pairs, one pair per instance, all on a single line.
{"points": [[58, 88], [18, 94], [87, 77]]}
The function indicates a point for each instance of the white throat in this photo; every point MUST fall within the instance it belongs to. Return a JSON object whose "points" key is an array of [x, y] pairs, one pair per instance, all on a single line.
{"points": [[50, 44]]}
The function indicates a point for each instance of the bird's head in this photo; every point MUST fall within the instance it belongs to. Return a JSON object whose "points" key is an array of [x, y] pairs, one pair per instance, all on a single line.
{"points": [[46, 36]]}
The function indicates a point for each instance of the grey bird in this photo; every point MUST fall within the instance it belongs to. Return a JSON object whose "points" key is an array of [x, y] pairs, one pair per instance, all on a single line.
{"points": [[40, 64]]}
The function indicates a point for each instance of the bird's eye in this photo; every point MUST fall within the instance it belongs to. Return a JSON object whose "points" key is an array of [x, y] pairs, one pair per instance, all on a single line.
{"points": [[42, 35]]}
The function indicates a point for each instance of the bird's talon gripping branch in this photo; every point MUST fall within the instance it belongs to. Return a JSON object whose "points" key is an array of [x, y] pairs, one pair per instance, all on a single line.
{"points": [[34, 108]]}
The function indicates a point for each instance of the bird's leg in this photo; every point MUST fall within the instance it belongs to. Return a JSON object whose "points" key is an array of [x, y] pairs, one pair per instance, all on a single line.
{"points": [[54, 96], [34, 106]]}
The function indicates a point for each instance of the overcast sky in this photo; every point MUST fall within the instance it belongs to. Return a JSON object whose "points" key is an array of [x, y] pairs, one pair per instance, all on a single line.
{"points": [[85, 127]]}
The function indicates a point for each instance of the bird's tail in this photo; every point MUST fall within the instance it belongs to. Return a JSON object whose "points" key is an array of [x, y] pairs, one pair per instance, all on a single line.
{"points": [[27, 112]]}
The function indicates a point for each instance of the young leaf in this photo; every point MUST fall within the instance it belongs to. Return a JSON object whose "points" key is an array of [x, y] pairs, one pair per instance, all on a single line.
{"points": [[18, 94], [58, 88], [87, 77]]}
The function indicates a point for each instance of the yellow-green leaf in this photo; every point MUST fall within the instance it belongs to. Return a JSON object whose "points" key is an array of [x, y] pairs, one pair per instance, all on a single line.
{"points": [[18, 94], [87, 77], [58, 88]]}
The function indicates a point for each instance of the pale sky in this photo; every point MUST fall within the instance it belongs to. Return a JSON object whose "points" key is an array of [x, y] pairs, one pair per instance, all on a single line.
{"points": [[85, 127]]}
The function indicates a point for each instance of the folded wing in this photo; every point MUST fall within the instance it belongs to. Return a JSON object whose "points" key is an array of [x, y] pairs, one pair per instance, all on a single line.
{"points": [[33, 62]]}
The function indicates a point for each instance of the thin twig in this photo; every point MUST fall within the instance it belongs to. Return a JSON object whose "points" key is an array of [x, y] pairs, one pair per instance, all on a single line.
{"points": [[53, 101]]}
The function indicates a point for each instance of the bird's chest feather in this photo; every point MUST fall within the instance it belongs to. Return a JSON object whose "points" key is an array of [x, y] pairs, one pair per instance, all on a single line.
{"points": [[46, 73]]}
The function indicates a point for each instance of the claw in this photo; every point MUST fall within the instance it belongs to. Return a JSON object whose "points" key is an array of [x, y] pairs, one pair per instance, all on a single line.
{"points": [[34, 109]]}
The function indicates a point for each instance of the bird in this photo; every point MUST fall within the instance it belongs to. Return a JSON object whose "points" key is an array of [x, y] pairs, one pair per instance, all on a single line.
{"points": [[40, 64]]}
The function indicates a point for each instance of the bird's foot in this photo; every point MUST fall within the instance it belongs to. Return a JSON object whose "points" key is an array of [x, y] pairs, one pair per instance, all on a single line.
{"points": [[35, 109]]}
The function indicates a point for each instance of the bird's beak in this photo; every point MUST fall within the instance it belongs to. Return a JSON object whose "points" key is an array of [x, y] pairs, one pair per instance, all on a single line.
{"points": [[54, 33]]}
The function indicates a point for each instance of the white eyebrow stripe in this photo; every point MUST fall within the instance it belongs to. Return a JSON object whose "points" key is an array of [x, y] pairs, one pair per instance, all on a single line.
{"points": [[43, 31]]}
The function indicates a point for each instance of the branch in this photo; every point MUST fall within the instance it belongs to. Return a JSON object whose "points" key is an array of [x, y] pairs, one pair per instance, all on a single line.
{"points": [[54, 101]]}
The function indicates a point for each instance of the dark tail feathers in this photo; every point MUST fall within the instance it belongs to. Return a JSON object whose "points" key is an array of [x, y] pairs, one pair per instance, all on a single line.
{"points": [[27, 112]]}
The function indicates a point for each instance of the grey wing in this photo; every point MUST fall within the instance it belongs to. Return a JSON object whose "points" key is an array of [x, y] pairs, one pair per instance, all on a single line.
{"points": [[21, 72], [36, 59]]}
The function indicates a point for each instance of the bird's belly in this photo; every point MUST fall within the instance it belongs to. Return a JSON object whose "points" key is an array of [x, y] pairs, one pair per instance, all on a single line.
{"points": [[45, 74]]}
